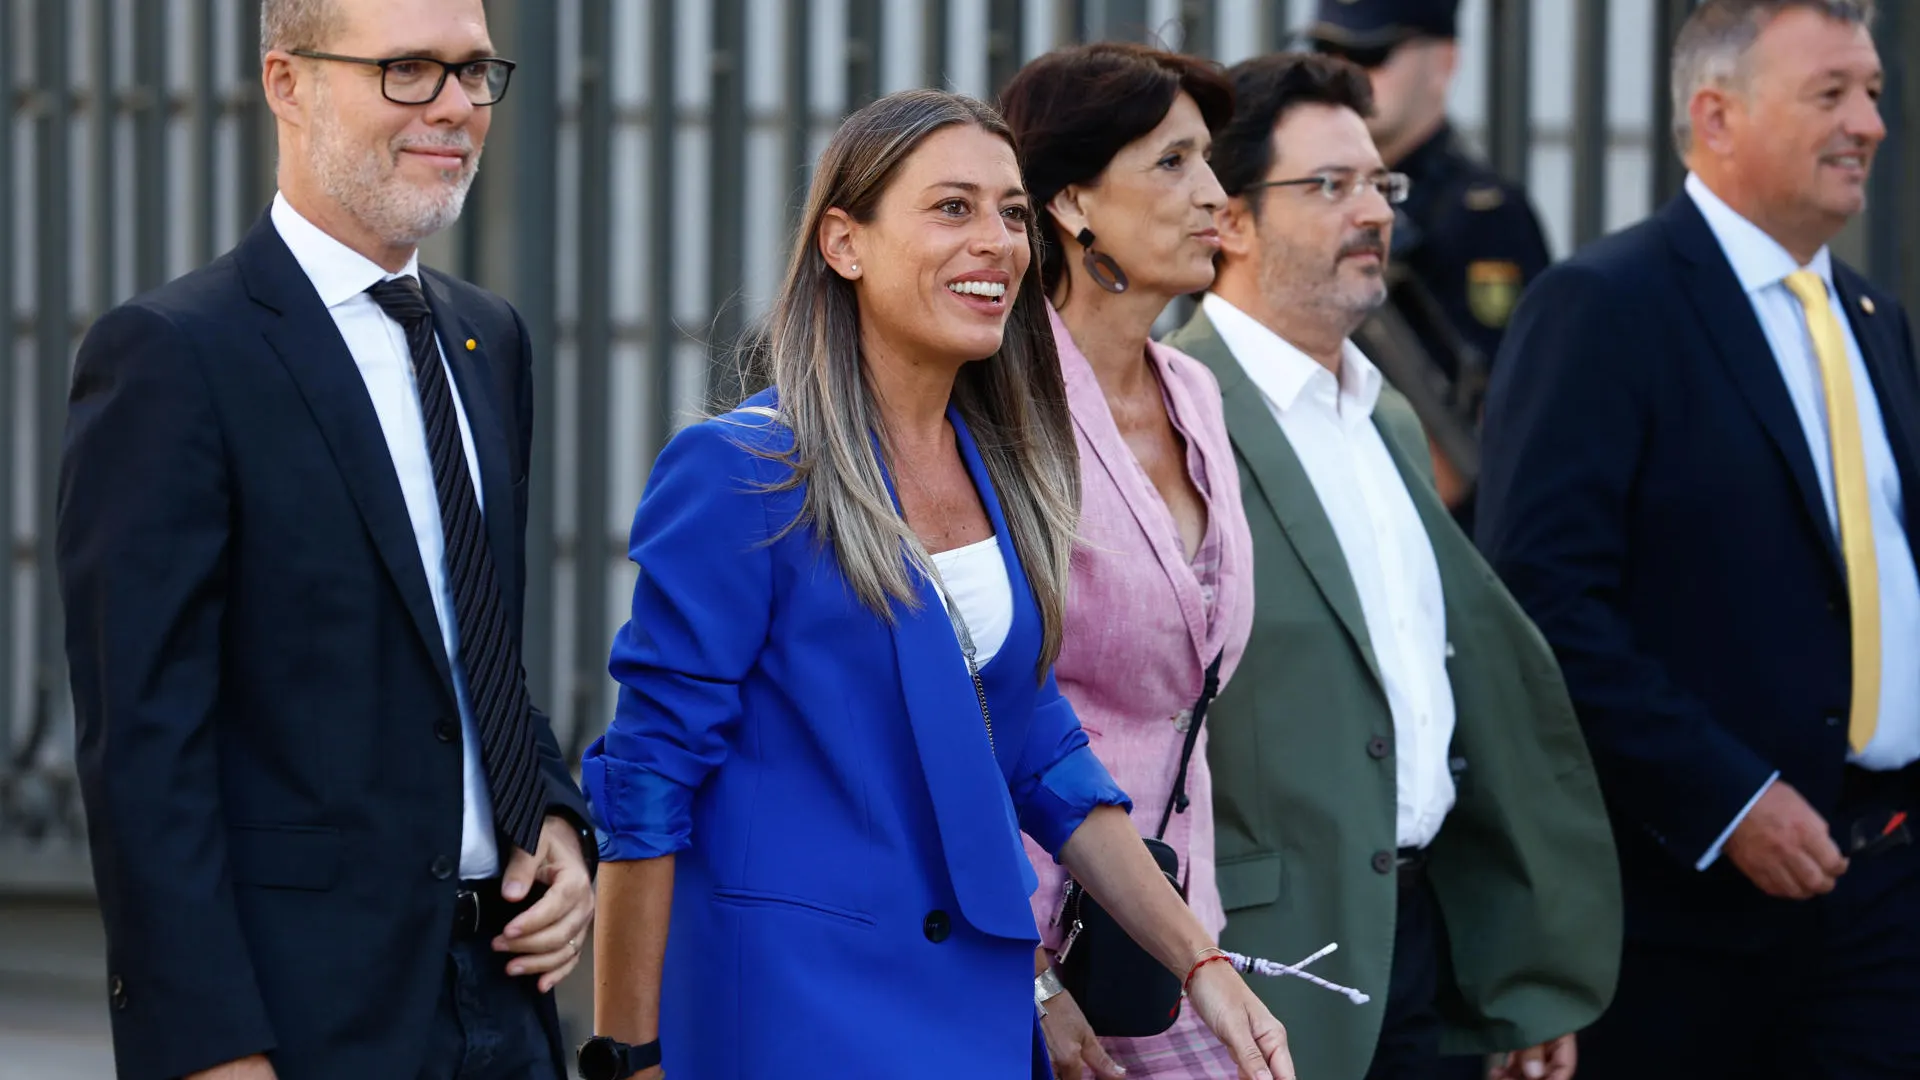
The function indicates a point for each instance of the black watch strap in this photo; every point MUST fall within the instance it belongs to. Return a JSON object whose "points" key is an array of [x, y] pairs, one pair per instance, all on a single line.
{"points": [[602, 1058]]}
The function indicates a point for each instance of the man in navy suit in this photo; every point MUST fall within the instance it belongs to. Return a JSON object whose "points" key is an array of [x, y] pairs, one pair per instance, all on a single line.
{"points": [[331, 835], [1703, 447]]}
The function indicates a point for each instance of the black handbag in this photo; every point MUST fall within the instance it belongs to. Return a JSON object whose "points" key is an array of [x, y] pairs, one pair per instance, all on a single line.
{"points": [[1120, 988]]}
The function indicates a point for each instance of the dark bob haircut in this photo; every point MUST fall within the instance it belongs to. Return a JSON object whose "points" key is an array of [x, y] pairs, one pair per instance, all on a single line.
{"points": [[1073, 109], [1264, 90]]}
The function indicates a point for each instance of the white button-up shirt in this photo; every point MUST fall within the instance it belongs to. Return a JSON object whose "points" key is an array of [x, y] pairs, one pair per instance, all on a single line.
{"points": [[1329, 422], [342, 276]]}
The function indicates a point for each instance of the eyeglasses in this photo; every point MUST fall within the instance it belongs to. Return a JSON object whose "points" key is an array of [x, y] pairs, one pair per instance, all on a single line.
{"points": [[417, 80], [1339, 185]]}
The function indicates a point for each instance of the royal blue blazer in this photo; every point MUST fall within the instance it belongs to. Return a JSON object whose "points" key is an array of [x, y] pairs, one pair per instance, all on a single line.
{"points": [[851, 894]]}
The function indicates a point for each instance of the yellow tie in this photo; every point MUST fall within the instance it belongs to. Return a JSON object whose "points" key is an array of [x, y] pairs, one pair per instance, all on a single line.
{"points": [[1850, 496]]}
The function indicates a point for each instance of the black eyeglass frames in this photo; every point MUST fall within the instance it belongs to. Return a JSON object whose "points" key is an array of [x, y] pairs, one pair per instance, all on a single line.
{"points": [[417, 80]]}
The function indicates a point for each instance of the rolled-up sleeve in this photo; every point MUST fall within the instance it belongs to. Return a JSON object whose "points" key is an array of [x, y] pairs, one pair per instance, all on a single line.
{"points": [[701, 609], [1060, 780]]}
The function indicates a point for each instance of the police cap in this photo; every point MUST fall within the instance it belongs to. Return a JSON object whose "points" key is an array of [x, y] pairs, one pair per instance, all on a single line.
{"points": [[1365, 25]]}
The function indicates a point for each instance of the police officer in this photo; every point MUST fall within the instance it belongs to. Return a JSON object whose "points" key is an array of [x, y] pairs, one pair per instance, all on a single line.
{"points": [[1465, 242]]}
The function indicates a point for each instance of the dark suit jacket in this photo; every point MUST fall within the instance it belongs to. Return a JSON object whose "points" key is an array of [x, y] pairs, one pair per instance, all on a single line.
{"points": [[1650, 498], [269, 745]]}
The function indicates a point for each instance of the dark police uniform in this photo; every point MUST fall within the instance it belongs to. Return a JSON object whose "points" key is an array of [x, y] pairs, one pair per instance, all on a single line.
{"points": [[1467, 237]]}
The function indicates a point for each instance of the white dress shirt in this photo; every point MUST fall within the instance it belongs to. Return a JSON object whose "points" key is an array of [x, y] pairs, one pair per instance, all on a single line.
{"points": [[1762, 265], [1389, 556], [379, 346]]}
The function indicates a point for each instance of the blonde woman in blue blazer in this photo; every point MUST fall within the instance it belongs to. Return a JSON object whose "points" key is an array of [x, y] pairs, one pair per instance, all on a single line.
{"points": [[837, 710]]}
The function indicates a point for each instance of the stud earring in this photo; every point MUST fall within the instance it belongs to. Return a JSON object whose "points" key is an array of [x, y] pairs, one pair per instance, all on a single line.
{"points": [[1100, 266]]}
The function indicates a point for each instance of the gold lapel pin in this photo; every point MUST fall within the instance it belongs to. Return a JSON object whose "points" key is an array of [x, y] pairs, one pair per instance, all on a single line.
{"points": [[472, 344], [1866, 304]]}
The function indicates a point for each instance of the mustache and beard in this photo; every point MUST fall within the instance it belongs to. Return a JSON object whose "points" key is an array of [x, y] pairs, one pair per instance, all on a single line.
{"points": [[362, 179], [1294, 275]]}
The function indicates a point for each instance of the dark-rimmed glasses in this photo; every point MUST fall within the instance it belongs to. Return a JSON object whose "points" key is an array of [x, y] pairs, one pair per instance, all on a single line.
{"points": [[1339, 185], [417, 80]]}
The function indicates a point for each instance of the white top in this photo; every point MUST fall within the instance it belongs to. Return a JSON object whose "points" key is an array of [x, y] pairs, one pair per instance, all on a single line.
{"points": [[975, 577], [1761, 264], [379, 346], [1329, 423]]}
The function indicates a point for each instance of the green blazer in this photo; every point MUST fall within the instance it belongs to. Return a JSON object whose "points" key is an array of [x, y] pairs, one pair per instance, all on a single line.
{"points": [[1524, 866]]}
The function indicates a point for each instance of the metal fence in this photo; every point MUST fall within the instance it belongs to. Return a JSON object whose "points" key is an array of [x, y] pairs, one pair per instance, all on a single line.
{"points": [[635, 204]]}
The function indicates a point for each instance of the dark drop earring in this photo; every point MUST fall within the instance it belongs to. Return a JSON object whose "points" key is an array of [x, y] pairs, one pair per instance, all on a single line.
{"points": [[1100, 266]]}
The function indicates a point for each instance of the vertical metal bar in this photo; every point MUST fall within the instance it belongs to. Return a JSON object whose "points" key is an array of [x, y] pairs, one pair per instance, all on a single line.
{"points": [[536, 142], [594, 346], [105, 180], [1510, 88], [1004, 47], [933, 53], [799, 93], [863, 52], [9, 340], [1590, 132], [1127, 21], [1908, 228], [152, 108], [1198, 19], [257, 137], [660, 216], [53, 245], [1668, 172], [206, 119], [727, 156], [1888, 199]]}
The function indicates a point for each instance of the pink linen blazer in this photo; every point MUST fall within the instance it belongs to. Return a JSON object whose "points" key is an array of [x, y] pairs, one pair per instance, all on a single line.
{"points": [[1138, 640]]}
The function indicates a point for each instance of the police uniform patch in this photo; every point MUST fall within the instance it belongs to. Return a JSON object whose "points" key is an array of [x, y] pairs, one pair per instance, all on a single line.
{"points": [[1484, 197], [1493, 288]]}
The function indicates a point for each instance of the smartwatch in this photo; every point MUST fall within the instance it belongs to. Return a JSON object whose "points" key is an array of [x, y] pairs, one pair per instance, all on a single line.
{"points": [[602, 1058]]}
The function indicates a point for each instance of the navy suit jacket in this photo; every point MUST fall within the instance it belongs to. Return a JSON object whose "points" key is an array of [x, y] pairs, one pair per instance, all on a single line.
{"points": [[269, 745], [1649, 496]]}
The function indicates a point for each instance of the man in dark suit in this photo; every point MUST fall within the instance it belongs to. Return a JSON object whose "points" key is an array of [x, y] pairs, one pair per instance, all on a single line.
{"points": [[1700, 440], [332, 838]]}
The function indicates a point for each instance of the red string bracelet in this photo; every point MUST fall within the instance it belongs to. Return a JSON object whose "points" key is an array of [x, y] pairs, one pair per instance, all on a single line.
{"points": [[1213, 955]]}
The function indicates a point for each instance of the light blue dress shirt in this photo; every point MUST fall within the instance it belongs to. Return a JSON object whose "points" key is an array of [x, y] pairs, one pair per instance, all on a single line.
{"points": [[1761, 264]]}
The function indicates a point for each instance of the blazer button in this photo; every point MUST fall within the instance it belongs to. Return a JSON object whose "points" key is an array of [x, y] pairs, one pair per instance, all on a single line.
{"points": [[442, 868], [444, 729], [117, 994], [1832, 720], [1383, 862], [937, 927], [1377, 748]]}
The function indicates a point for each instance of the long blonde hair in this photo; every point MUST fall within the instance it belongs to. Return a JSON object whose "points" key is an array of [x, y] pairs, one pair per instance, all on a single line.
{"points": [[1014, 402]]}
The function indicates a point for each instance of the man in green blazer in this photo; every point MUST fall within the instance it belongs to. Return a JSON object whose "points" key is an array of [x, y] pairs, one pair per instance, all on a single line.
{"points": [[1397, 767]]}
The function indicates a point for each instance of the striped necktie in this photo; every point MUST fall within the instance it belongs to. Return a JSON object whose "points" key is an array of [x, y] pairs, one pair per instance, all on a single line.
{"points": [[1851, 498], [489, 652]]}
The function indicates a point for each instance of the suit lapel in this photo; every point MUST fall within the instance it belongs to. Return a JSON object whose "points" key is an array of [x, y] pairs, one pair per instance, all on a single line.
{"points": [[308, 343], [1282, 480], [1727, 315], [1890, 367], [964, 779], [470, 371]]}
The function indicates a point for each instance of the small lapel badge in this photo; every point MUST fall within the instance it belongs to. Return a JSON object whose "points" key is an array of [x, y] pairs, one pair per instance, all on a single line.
{"points": [[472, 344], [1866, 304]]}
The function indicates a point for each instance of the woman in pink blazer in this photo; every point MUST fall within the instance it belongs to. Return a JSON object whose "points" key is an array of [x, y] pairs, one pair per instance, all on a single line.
{"points": [[1114, 141]]}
